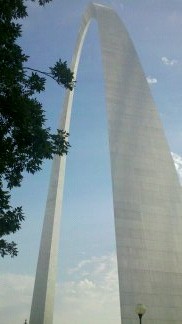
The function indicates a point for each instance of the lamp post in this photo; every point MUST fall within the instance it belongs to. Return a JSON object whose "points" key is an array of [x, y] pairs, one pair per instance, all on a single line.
{"points": [[140, 310]]}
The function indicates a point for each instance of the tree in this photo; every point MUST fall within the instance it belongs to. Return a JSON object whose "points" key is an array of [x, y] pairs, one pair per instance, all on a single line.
{"points": [[25, 141]]}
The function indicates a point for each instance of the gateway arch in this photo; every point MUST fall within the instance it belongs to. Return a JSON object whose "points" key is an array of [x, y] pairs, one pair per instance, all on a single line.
{"points": [[146, 192]]}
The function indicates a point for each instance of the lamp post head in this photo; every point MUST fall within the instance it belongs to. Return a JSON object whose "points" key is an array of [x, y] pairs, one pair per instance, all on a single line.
{"points": [[140, 309]]}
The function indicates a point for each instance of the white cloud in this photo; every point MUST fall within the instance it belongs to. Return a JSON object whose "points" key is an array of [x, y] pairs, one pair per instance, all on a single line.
{"points": [[91, 298], [169, 62], [80, 265], [15, 295], [151, 80], [178, 165]]}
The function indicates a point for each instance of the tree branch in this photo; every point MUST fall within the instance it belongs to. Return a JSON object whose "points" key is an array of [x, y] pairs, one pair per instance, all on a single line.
{"points": [[38, 71]]}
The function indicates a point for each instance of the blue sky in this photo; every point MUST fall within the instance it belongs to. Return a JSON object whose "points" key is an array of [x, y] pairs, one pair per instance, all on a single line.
{"points": [[87, 279]]}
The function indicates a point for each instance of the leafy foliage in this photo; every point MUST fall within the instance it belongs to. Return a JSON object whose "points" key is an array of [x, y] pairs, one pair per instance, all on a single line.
{"points": [[25, 141]]}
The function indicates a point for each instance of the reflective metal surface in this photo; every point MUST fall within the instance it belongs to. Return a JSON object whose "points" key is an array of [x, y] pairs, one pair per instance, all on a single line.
{"points": [[146, 192]]}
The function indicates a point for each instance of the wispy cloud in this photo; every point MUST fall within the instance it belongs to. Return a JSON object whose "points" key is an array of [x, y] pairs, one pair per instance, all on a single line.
{"points": [[92, 297], [151, 80], [178, 165], [169, 62], [15, 295]]}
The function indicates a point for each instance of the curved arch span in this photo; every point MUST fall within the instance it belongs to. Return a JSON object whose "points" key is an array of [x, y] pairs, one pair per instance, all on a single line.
{"points": [[146, 192]]}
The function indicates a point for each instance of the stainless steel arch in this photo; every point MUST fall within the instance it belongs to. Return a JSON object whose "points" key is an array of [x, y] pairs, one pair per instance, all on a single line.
{"points": [[146, 192]]}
